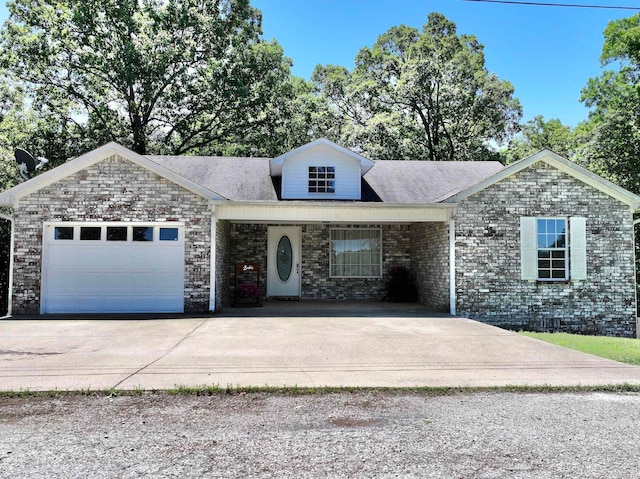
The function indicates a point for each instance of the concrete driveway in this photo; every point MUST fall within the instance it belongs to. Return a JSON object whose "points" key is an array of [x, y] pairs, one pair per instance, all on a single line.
{"points": [[303, 344]]}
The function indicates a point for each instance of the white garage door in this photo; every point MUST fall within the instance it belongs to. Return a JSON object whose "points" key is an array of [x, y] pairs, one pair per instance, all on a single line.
{"points": [[113, 268]]}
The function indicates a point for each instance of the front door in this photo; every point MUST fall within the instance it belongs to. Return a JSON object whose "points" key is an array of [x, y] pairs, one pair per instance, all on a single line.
{"points": [[283, 262]]}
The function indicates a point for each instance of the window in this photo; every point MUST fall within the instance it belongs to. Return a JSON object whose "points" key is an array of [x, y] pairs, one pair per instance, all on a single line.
{"points": [[116, 233], [168, 234], [64, 232], [322, 179], [553, 249], [90, 233], [143, 233], [356, 253]]}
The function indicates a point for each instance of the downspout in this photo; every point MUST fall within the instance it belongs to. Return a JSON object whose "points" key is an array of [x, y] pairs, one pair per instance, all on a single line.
{"points": [[452, 266], [11, 244], [212, 267]]}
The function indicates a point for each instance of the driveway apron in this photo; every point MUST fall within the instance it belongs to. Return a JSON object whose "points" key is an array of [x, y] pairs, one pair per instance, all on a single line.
{"points": [[312, 345]]}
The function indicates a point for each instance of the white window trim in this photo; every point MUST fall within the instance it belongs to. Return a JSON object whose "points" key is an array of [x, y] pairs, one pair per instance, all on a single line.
{"points": [[324, 180], [576, 246], [331, 275]]}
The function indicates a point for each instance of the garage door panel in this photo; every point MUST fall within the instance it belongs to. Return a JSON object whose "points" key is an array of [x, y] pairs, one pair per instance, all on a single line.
{"points": [[63, 283], [113, 277], [61, 258], [159, 257], [59, 303]]}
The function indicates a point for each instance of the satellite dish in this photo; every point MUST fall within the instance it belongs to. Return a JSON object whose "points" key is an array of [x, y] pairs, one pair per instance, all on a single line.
{"points": [[28, 163]]}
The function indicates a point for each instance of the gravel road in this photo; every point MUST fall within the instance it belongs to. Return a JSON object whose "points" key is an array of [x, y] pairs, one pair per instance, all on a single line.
{"points": [[480, 435]]}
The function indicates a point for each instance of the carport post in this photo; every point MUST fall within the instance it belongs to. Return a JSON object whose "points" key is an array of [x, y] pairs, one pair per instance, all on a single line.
{"points": [[11, 243], [212, 278], [452, 266]]}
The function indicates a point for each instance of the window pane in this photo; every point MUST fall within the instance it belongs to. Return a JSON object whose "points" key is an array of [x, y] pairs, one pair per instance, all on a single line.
{"points": [[557, 263], [63, 233], [544, 263], [90, 233], [544, 253], [168, 234], [544, 274], [116, 233], [542, 226], [143, 233], [355, 253], [557, 254], [558, 274]]}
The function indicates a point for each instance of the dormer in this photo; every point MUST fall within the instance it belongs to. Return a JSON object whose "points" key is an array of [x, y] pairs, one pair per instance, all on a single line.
{"points": [[320, 170]]}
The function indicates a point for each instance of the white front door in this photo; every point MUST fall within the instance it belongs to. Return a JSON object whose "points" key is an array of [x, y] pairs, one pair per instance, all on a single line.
{"points": [[283, 262]]}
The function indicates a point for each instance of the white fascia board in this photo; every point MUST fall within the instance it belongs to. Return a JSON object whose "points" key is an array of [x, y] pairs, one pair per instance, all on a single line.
{"points": [[306, 212], [560, 163], [275, 164], [11, 196]]}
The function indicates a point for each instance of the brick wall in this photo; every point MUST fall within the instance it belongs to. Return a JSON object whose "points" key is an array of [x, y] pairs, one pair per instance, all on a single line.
{"points": [[430, 262], [488, 284], [114, 189]]}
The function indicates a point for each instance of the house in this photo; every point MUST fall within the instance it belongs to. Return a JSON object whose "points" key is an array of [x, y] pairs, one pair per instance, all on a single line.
{"points": [[540, 244]]}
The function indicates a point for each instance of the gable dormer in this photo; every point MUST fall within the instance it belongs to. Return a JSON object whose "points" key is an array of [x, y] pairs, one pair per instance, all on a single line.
{"points": [[320, 170]]}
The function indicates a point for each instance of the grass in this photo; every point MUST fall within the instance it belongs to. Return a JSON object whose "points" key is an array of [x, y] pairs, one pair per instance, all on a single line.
{"points": [[624, 350], [216, 390]]}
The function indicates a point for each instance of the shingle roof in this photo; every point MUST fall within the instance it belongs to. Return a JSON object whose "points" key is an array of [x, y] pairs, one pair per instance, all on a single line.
{"points": [[399, 182], [238, 179]]}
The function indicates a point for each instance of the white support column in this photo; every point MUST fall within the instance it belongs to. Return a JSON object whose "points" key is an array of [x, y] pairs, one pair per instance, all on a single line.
{"points": [[452, 266], [11, 253], [212, 279]]}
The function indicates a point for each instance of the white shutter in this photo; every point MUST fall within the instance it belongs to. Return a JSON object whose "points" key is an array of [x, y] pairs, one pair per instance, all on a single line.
{"points": [[578, 248], [528, 249]]}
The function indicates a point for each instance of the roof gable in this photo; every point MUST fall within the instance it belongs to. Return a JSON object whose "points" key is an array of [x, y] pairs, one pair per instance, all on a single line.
{"points": [[275, 165], [10, 196], [561, 164]]}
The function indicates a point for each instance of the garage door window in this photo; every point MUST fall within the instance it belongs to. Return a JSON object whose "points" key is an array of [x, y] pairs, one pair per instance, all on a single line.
{"points": [[64, 233], [90, 233], [143, 233], [117, 233], [168, 234]]}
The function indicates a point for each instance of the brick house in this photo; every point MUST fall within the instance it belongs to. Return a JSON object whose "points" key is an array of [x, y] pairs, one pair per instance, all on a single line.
{"points": [[540, 244]]}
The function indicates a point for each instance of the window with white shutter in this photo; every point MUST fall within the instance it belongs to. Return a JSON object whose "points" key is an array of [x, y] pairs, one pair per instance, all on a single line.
{"points": [[553, 249]]}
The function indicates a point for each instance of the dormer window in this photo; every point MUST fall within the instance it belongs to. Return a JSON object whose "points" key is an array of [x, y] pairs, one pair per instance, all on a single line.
{"points": [[322, 179]]}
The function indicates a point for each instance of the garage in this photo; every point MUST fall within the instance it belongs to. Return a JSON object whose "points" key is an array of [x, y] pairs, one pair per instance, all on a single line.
{"points": [[113, 267]]}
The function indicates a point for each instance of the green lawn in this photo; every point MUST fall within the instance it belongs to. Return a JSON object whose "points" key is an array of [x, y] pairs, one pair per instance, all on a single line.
{"points": [[619, 349]]}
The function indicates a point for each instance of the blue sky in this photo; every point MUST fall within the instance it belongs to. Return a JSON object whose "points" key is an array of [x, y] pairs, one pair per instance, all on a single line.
{"points": [[547, 53]]}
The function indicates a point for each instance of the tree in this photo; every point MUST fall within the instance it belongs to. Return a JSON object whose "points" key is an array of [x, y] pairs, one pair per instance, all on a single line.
{"points": [[299, 115], [611, 135], [168, 76], [538, 134], [422, 95], [21, 125]]}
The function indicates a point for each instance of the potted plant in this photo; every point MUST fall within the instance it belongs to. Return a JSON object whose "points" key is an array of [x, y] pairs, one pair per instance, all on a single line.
{"points": [[247, 294]]}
